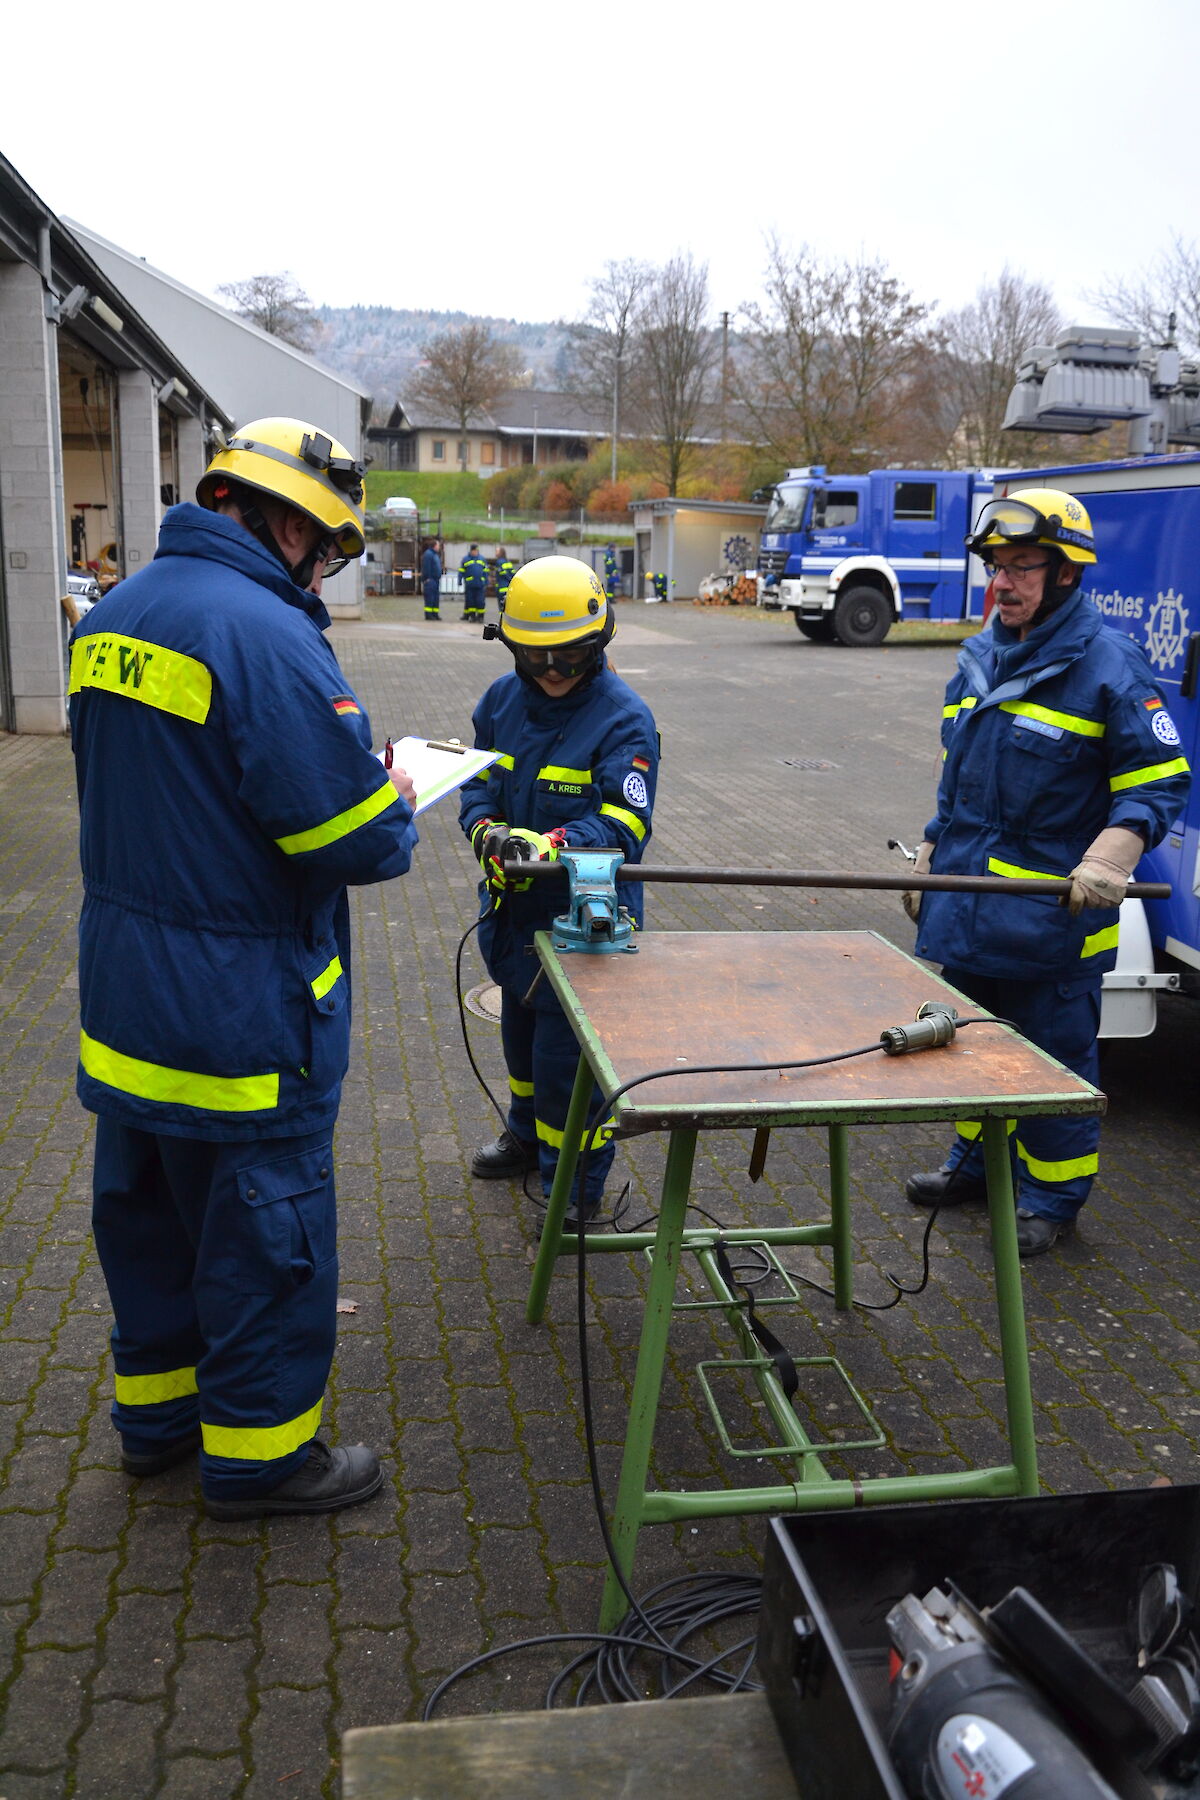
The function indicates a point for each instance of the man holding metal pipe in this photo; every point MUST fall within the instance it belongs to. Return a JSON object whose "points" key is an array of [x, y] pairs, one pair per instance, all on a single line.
{"points": [[1061, 759]]}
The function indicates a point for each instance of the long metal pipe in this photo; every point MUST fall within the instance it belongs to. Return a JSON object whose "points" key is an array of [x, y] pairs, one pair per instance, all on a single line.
{"points": [[849, 878]]}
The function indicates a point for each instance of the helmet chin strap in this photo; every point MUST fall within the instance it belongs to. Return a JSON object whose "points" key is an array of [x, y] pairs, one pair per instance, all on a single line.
{"points": [[1055, 593], [253, 519]]}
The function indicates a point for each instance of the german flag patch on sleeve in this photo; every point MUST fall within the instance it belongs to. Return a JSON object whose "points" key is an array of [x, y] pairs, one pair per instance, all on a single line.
{"points": [[345, 703], [641, 763]]}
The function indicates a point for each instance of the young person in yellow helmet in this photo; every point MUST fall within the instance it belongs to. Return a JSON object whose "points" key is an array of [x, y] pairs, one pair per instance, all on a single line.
{"points": [[228, 794], [1060, 759], [578, 766]]}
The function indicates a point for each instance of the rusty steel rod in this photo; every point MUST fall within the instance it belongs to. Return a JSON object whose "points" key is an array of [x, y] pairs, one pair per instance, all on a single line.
{"points": [[848, 878]]}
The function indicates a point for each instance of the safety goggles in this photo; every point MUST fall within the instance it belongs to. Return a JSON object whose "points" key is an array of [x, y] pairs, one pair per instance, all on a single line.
{"points": [[1016, 521], [567, 660], [334, 561]]}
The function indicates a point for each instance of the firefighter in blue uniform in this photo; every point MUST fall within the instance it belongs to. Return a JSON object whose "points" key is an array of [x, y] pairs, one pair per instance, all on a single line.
{"points": [[474, 571], [578, 767], [505, 570], [612, 573], [228, 794], [431, 581], [1060, 759]]}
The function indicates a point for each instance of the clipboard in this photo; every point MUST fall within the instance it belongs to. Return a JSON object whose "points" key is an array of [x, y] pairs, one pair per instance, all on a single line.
{"points": [[436, 766]]}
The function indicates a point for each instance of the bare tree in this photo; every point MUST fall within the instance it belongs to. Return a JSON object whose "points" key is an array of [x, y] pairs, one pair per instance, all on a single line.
{"points": [[600, 365], [278, 304], [983, 342], [828, 356], [464, 371], [675, 352], [1145, 302]]}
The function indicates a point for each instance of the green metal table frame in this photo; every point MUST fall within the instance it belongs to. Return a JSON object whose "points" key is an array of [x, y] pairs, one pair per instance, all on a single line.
{"points": [[814, 1488]]}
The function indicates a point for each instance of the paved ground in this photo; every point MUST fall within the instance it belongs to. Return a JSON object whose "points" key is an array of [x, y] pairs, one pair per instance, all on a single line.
{"points": [[147, 1652]]}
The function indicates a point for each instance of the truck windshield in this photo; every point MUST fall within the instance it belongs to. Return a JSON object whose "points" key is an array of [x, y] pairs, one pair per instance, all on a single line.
{"points": [[786, 511]]}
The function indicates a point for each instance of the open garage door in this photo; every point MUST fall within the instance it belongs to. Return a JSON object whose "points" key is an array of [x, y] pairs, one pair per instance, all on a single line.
{"points": [[91, 493]]}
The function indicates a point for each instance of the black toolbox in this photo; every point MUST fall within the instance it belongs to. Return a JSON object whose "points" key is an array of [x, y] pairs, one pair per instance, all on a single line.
{"points": [[830, 1579]]}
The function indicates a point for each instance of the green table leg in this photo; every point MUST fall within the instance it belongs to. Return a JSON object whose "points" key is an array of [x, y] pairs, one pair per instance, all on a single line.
{"points": [[560, 1192], [1010, 1304], [839, 1206], [652, 1352]]}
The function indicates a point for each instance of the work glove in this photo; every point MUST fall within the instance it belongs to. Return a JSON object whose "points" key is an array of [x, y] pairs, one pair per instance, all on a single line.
{"points": [[522, 845], [1108, 862], [488, 840], [912, 897]]}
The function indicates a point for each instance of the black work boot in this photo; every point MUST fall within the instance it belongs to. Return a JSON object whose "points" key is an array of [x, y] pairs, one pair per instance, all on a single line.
{"points": [[503, 1157], [1036, 1233], [944, 1187], [329, 1480]]}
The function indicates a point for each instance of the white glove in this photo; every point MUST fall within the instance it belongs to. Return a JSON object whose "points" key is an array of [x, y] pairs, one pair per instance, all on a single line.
{"points": [[1108, 862], [912, 897]]}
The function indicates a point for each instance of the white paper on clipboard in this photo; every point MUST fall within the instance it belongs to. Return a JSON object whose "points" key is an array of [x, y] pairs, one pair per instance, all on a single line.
{"points": [[437, 768]]}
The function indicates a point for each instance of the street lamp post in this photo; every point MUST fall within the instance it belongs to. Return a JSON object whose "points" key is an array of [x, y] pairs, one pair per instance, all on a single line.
{"points": [[616, 411]]}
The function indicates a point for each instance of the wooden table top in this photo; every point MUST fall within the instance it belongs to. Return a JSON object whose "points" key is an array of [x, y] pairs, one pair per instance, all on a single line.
{"points": [[704, 1749], [778, 997]]}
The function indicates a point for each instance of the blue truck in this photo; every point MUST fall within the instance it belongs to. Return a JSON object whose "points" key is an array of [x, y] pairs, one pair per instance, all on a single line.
{"points": [[851, 554]]}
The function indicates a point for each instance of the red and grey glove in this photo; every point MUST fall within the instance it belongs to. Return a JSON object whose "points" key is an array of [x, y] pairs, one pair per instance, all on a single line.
{"points": [[488, 839]]}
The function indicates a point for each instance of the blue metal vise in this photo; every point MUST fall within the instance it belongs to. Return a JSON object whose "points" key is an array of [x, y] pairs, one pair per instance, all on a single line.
{"points": [[594, 921]]}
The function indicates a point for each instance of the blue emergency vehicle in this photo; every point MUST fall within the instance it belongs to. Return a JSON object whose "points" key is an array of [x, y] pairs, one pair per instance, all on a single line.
{"points": [[851, 554], [1145, 515]]}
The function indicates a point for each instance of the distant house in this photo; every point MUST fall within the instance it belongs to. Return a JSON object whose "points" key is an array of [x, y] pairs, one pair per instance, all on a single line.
{"points": [[534, 427]]}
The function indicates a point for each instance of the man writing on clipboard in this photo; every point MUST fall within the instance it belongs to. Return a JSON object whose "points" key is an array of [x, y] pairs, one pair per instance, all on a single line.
{"points": [[228, 795]]}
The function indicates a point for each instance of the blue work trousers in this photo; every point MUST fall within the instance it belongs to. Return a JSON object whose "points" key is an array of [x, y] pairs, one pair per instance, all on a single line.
{"points": [[542, 1055], [221, 1265], [1055, 1157], [433, 590], [474, 599]]}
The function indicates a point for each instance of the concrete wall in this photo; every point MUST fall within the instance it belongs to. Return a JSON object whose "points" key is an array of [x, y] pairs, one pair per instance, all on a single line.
{"points": [[31, 503]]}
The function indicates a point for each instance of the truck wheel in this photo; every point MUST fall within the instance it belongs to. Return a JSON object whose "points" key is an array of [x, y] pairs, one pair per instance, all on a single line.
{"points": [[819, 630], [862, 617]]}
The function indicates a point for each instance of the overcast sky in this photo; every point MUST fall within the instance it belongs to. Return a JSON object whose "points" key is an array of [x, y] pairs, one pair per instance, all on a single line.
{"points": [[493, 158]]}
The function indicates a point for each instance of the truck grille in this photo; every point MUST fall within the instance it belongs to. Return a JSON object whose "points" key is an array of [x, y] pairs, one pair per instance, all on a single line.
{"points": [[772, 562]]}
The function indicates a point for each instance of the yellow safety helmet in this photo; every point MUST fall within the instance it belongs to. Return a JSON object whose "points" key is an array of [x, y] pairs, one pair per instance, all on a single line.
{"points": [[1036, 516], [299, 464], [556, 600]]}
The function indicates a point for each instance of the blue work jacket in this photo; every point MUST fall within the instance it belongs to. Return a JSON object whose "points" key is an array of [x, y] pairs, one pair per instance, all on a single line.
{"points": [[1045, 743], [227, 795], [431, 566], [587, 762], [474, 571]]}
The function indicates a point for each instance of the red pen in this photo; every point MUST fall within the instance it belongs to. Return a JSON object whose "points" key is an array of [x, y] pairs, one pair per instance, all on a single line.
{"points": [[387, 754]]}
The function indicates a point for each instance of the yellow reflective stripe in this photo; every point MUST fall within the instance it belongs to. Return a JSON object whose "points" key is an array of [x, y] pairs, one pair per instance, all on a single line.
{"points": [[522, 1089], [176, 1087], [552, 772], [148, 1390], [1154, 772], [1100, 940], [1070, 1170], [971, 1128], [139, 670], [261, 1443], [636, 825], [1092, 728], [326, 978], [952, 711], [549, 1135], [342, 825], [996, 867], [504, 762]]}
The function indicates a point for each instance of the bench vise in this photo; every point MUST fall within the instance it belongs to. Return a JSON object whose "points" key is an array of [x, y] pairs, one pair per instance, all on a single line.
{"points": [[594, 920]]}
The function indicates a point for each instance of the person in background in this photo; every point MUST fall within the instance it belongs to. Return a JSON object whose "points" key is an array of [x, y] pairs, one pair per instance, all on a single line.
{"points": [[505, 570], [431, 580], [227, 795], [578, 770], [612, 573], [474, 571], [1060, 759]]}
